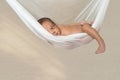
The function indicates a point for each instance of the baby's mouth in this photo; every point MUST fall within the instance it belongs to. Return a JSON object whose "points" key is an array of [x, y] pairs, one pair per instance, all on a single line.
{"points": [[57, 34]]}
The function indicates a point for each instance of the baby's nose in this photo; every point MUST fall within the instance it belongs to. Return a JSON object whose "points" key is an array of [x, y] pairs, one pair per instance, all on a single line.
{"points": [[54, 32]]}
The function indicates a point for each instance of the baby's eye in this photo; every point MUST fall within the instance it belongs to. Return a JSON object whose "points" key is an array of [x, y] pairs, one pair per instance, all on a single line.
{"points": [[51, 27]]}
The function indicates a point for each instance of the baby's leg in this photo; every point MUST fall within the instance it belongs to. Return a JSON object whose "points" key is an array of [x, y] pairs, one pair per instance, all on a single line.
{"points": [[94, 34]]}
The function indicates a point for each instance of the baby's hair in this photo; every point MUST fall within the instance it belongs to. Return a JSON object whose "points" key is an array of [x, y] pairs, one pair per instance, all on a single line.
{"points": [[42, 20]]}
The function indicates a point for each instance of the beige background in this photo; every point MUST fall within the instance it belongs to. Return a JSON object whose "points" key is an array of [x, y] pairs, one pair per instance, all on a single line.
{"points": [[23, 56]]}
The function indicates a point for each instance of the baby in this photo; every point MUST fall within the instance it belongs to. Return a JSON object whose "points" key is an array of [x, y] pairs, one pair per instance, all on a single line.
{"points": [[64, 30]]}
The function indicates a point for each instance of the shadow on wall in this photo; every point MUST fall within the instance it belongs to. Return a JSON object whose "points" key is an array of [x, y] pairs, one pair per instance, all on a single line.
{"points": [[30, 66]]}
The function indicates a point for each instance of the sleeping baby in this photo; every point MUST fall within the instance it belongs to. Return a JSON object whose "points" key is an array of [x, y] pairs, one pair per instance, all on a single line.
{"points": [[64, 30]]}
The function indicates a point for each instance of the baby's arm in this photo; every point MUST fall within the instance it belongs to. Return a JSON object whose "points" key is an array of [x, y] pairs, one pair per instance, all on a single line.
{"points": [[94, 34]]}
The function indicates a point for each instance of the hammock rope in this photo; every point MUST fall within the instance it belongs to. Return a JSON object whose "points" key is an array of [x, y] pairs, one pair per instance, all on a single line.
{"points": [[94, 11]]}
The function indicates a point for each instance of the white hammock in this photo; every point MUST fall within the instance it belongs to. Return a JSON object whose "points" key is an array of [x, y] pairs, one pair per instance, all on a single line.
{"points": [[94, 11]]}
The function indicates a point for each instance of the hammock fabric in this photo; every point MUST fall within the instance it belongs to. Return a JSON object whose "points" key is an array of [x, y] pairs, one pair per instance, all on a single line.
{"points": [[94, 11]]}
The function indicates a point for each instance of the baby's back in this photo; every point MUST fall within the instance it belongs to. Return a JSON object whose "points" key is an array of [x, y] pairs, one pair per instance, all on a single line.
{"points": [[72, 29]]}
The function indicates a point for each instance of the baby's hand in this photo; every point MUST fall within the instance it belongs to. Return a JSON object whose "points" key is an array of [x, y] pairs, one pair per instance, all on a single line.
{"points": [[91, 22], [83, 22]]}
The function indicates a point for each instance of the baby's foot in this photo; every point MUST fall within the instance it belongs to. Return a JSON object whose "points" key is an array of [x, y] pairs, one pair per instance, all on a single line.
{"points": [[101, 49]]}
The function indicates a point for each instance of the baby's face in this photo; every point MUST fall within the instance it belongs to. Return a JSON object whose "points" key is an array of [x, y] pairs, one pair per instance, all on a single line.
{"points": [[52, 28]]}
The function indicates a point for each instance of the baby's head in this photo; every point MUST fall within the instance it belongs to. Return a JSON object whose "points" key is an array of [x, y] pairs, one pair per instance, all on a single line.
{"points": [[50, 26]]}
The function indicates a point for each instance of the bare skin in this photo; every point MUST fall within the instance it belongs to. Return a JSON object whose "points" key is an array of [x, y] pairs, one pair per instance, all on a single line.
{"points": [[64, 30]]}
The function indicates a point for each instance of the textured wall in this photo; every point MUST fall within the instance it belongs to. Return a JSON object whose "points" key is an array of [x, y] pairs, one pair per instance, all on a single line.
{"points": [[23, 56]]}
